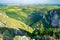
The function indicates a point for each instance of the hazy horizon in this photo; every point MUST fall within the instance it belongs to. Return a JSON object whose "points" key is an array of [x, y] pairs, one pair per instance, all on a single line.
{"points": [[29, 1]]}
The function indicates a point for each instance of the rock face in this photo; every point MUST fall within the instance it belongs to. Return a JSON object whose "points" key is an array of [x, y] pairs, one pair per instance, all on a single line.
{"points": [[3, 15], [1, 24], [21, 38], [54, 18]]}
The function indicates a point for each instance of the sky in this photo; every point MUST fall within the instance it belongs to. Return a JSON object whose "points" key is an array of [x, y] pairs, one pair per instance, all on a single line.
{"points": [[29, 1]]}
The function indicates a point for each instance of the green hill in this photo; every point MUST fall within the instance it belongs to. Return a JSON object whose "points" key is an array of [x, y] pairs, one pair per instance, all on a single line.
{"points": [[13, 23]]}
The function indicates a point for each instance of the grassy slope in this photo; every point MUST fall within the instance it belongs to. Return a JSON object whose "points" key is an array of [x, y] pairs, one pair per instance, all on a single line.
{"points": [[13, 23]]}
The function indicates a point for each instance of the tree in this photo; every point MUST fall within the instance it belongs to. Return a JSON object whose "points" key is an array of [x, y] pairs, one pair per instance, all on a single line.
{"points": [[34, 17]]}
